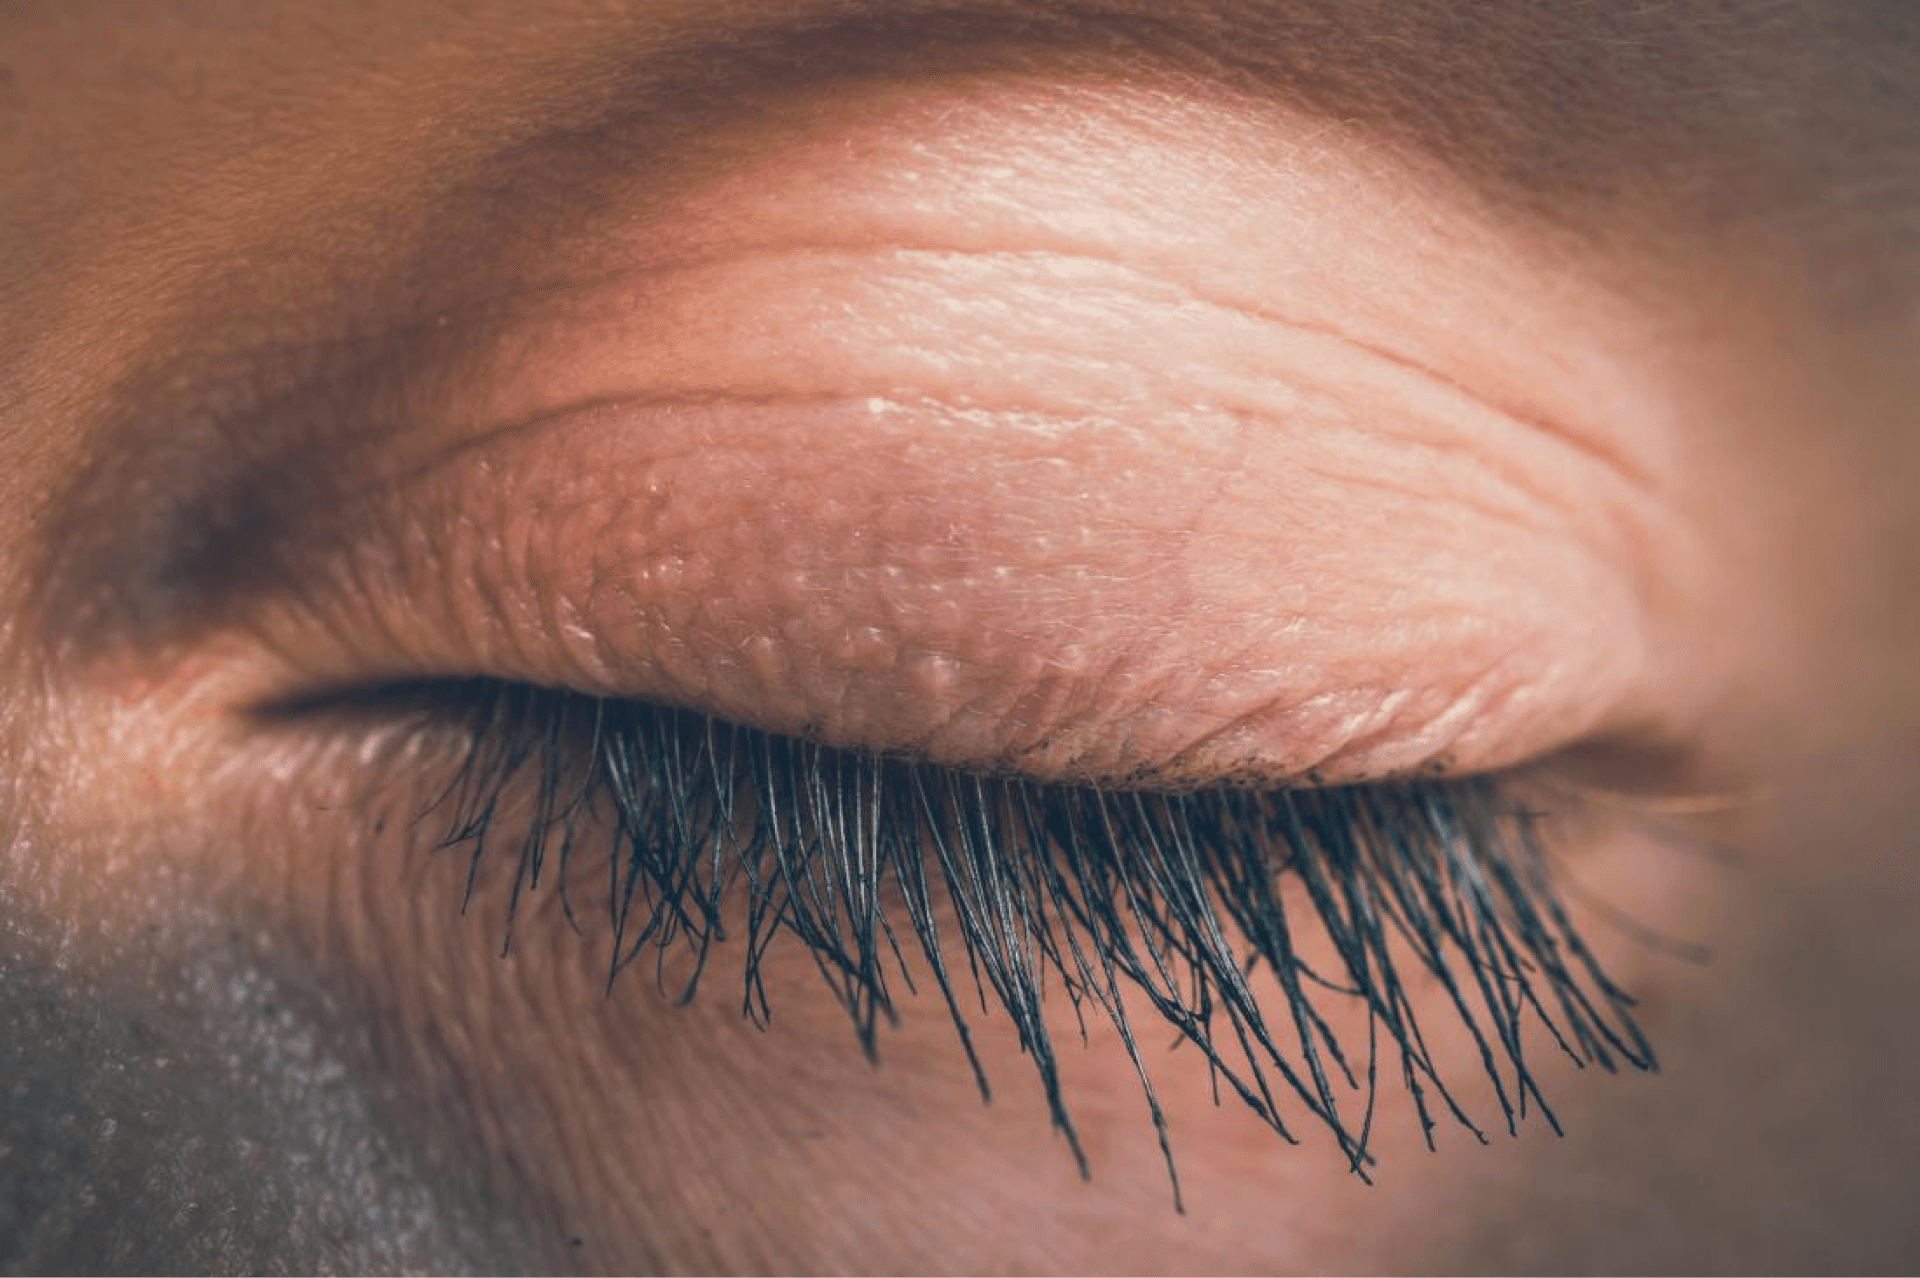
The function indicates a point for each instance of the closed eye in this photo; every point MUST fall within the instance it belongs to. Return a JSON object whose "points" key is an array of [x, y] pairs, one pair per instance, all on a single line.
{"points": [[1009, 585], [1261, 926]]}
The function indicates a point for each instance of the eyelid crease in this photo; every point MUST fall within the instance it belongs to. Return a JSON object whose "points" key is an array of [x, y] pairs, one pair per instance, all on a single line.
{"points": [[242, 538], [1062, 255], [1224, 727]]}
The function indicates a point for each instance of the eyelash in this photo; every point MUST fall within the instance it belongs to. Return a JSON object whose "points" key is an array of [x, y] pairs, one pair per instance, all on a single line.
{"points": [[860, 858]]}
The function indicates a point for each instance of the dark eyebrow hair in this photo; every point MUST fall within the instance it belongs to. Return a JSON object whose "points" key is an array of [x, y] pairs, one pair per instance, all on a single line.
{"points": [[234, 445]]}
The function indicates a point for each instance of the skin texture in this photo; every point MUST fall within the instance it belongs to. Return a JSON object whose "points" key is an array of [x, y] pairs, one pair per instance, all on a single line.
{"points": [[1264, 392]]}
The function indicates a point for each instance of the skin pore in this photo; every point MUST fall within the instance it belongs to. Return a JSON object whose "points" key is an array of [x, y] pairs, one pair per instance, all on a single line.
{"points": [[1138, 395]]}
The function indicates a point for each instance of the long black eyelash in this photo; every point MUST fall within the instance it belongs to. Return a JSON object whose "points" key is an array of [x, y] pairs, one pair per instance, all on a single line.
{"points": [[867, 861]]}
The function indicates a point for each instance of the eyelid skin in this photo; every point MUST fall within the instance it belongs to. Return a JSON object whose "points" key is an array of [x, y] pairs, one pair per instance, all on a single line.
{"points": [[948, 421], [1054, 594], [965, 445], [722, 823]]}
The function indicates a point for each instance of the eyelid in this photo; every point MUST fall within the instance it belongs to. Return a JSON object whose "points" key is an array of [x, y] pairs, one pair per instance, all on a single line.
{"points": [[863, 860], [1034, 509], [1077, 583], [952, 584]]}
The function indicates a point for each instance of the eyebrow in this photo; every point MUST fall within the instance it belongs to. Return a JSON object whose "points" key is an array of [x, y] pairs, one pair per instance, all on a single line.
{"points": [[222, 461]]}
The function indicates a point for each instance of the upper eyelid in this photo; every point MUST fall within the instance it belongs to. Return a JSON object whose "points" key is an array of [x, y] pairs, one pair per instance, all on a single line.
{"points": [[250, 402], [192, 558], [434, 525], [332, 476]]}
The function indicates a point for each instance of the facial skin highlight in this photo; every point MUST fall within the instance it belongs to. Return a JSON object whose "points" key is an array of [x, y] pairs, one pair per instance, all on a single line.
{"points": [[1156, 396]]}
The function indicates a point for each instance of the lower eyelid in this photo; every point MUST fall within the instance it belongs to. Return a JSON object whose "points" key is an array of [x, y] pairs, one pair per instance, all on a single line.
{"points": [[1397, 902]]}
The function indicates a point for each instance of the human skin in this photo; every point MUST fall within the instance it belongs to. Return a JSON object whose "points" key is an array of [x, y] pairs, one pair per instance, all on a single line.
{"points": [[1150, 396]]}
